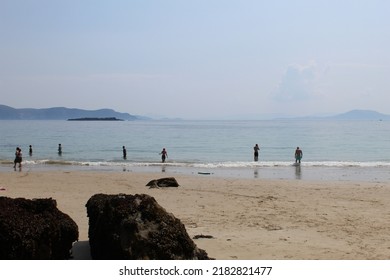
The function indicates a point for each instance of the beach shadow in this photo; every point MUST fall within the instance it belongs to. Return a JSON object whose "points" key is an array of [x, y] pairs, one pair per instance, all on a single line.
{"points": [[81, 251]]}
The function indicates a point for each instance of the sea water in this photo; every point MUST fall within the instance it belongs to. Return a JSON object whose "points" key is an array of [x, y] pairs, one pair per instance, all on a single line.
{"points": [[359, 149]]}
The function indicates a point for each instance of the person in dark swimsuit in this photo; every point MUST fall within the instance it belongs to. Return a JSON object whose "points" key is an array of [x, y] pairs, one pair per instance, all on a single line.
{"points": [[18, 157], [256, 152], [124, 152], [164, 155]]}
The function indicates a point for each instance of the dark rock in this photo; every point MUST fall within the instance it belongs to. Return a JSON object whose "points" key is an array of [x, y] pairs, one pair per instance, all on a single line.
{"points": [[35, 229], [163, 183], [199, 236], [137, 227]]}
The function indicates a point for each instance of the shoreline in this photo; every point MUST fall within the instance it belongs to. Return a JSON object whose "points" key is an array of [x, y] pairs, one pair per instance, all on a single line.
{"points": [[292, 172], [248, 218]]}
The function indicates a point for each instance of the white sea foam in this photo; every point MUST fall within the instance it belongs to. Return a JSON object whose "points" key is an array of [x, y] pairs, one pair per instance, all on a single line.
{"points": [[212, 165]]}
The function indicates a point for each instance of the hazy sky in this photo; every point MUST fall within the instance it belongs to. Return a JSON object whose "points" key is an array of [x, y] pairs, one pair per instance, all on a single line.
{"points": [[196, 59]]}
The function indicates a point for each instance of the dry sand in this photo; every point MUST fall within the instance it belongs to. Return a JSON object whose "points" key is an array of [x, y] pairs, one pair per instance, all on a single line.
{"points": [[248, 218]]}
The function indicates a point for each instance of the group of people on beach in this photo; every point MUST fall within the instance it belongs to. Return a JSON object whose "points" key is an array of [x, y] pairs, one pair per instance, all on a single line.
{"points": [[18, 154], [163, 153], [298, 154]]}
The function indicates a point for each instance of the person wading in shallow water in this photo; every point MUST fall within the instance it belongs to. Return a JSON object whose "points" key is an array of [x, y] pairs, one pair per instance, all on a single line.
{"points": [[124, 152], [298, 155], [256, 152], [164, 155], [18, 157]]}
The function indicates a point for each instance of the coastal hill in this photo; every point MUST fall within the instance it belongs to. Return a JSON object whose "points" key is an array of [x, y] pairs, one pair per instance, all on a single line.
{"points": [[60, 113], [361, 115], [353, 115]]}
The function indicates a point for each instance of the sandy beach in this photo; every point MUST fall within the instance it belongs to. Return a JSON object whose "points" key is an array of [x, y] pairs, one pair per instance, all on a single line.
{"points": [[248, 219]]}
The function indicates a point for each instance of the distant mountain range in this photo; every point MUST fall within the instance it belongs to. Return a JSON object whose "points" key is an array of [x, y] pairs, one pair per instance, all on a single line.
{"points": [[61, 113]]}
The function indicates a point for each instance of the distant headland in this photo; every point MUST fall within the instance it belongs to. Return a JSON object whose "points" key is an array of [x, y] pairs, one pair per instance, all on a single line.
{"points": [[62, 113], [95, 119]]}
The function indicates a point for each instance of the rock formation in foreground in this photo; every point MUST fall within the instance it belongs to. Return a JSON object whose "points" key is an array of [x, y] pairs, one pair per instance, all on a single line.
{"points": [[163, 183], [137, 227], [35, 229]]}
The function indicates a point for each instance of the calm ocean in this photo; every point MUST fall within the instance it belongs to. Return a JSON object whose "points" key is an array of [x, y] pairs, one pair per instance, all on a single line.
{"points": [[216, 147]]}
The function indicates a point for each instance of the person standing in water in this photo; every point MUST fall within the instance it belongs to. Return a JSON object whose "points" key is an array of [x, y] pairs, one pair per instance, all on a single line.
{"points": [[30, 150], [256, 149], [124, 152], [164, 155], [59, 149], [18, 157], [298, 155]]}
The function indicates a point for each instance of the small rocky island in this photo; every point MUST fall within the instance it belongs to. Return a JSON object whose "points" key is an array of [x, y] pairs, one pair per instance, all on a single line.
{"points": [[96, 119]]}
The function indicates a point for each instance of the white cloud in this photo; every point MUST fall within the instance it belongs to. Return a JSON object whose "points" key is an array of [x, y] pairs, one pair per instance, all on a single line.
{"points": [[297, 83]]}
